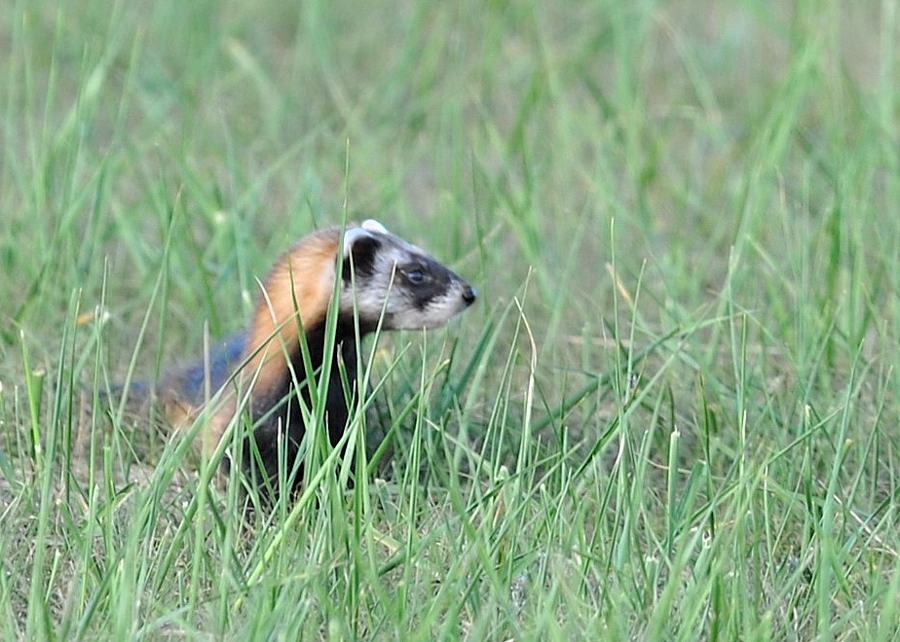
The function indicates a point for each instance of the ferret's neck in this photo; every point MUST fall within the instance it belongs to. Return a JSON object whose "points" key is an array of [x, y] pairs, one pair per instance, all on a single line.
{"points": [[343, 357]]}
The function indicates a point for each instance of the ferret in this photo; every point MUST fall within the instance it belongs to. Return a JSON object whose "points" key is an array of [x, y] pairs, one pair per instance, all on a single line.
{"points": [[385, 282]]}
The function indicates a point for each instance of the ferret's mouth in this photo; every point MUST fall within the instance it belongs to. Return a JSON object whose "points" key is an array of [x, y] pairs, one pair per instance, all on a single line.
{"points": [[441, 310]]}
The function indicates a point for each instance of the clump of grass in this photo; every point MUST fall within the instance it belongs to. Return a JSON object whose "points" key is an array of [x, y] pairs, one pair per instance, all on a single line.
{"points": [[673, 413]]}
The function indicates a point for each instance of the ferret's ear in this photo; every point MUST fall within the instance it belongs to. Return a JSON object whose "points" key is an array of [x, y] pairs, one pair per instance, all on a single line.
{"points": [[374, 226], [363, 245], [356, 236]]}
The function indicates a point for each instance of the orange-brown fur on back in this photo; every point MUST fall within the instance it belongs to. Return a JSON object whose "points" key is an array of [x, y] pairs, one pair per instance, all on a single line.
{"points": [[301, 283], [299, 288]]}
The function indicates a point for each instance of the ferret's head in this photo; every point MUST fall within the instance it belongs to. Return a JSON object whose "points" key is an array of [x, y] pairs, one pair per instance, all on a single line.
{"points": [[384, 275]]}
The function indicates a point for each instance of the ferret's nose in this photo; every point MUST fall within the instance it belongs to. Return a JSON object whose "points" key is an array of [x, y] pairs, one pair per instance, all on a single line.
{"points": [[469, 295]]}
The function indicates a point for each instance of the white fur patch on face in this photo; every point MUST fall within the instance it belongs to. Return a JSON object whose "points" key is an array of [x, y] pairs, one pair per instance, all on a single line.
{"points": [[438, 311], [399, 314], [368, 297]]}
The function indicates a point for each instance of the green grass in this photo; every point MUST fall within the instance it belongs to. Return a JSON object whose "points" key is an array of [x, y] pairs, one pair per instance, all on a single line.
{"points": [[673, 414]]}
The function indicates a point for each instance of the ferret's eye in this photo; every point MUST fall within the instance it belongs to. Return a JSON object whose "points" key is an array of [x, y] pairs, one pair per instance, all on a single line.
{"points": [[416, 276]]}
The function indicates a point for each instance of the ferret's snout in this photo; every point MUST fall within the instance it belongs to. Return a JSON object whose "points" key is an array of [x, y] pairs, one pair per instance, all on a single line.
{"points": [[469, 295]]}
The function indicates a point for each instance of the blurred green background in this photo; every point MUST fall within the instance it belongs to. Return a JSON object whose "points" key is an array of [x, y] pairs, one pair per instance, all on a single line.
{"points": [[695, 205]]}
